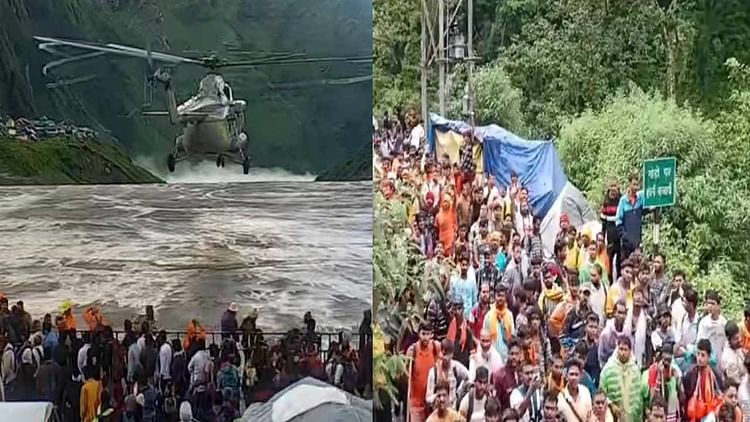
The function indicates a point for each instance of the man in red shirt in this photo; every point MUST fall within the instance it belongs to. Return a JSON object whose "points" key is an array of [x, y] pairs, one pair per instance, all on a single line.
{"points": [[480, 310], [506, 379]]}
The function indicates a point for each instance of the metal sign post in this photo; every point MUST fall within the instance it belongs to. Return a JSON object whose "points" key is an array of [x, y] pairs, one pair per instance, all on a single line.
{"points": [[659, 188]]}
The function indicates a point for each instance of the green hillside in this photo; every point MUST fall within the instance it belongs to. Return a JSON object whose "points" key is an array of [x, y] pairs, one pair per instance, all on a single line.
{"points": [[65, 161], [301, 129], [357, 167]]}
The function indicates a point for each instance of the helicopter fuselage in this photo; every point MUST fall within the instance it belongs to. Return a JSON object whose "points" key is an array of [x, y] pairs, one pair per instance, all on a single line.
{"points": [[212, 124]]}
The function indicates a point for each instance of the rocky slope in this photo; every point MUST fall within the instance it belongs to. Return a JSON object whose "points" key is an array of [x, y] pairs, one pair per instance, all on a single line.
{"points": [[358, 167], [64, 161]]}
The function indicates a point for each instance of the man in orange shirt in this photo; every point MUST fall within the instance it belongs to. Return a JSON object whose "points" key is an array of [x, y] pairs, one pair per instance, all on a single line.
{"points": [[424, 355], [745, 331], [91, 394]]}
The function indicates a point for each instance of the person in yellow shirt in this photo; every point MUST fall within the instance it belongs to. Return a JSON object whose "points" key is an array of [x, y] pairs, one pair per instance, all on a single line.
{"points": [[622, 289], [91, 394], [443, 412], [602, 256], [573, 251], [552, 293]]}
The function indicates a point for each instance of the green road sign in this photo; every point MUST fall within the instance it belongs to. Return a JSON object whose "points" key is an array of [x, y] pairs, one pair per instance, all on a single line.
{"points": [[659, 182]]}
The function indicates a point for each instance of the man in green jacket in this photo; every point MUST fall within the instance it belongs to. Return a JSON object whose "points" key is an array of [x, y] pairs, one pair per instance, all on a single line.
{"points": [[620, 380]]}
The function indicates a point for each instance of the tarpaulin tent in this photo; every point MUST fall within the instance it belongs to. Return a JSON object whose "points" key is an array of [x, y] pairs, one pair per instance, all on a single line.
{"points": [[26, 411], [535, 162], [310, 400]]}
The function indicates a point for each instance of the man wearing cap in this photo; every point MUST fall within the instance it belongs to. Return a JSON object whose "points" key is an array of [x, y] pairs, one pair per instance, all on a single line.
{"points": [[564, 225], [229, 322], [459, 333]]}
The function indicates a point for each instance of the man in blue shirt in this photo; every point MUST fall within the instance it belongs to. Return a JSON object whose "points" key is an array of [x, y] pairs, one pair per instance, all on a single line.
{"points": [[628, 219]]}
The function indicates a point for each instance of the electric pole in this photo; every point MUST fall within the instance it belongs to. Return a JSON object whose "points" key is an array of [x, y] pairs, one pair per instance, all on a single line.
{"points": [[470, 79], [441, 56], [423, 68]]}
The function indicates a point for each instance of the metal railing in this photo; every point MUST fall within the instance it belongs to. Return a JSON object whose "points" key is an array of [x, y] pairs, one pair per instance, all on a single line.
{"points": [[216, 337]]}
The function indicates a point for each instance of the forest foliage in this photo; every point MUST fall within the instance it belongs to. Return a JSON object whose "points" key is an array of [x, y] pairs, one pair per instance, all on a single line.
{"points": [[306, 129], [613, 83]]}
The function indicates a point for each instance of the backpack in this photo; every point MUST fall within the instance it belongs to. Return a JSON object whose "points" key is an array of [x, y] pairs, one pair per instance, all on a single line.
{"points": [[19, 356], [349, 377], [229, 377], [170, 405], [178, 369], [470, 408], [150, 402], [14, 361]]}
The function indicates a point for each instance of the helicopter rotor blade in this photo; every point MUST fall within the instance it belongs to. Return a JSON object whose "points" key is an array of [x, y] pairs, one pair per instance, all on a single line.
{"points": [[116, 49], [272, 61]]}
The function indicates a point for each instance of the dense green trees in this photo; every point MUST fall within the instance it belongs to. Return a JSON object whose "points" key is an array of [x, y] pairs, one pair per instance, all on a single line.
{"points": [[615, 83]]}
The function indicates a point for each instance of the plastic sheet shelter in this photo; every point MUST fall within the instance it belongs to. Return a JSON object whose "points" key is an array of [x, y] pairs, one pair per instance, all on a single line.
{"points": [[310, 400], [26, 411], [535, 162]]}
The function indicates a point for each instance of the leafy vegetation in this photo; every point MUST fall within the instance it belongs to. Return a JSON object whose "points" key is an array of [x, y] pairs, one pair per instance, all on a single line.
{"points": [[614, 83], [67, 161], [302, 129]]}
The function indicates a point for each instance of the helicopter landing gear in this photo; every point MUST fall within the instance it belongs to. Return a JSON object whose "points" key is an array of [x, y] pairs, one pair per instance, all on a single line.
{"points": [[171, 162], [246, 164]]}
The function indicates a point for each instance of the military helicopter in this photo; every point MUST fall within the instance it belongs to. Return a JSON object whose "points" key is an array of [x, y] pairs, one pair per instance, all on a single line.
{"points": [[212, 121]]}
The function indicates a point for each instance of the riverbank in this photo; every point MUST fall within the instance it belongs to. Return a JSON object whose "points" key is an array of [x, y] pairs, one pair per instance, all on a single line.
{"points": [[357, 168], [63, 161]]}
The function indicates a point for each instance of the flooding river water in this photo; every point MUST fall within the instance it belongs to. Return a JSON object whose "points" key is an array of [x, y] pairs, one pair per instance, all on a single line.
{"points": [[189, 249]]}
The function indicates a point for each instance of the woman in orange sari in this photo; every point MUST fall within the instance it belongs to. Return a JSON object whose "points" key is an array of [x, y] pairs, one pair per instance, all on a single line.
{"points": [[446, 223]]}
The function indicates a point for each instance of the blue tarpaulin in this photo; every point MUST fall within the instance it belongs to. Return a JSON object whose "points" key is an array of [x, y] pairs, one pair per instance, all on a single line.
{"points": [[535, 162]]}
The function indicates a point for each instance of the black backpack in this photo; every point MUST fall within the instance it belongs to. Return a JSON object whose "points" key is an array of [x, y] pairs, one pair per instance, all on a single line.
{"points": [[470, 409], [179, 369]]}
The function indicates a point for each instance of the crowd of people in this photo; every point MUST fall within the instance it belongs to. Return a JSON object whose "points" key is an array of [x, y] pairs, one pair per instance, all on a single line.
{"points": [[141, 374], [591, 328]]}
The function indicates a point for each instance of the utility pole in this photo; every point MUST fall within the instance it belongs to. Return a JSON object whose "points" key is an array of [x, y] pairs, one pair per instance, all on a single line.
{"points": [[423, 66], [470, 80], [441, 56]]}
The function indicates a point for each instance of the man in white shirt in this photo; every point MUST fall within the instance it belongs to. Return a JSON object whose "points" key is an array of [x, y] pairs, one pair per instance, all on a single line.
{"points": [[485, 356], [164, 364], [451, 369], [527, 398], [711, 326], [416, 136], [472, 405], [574, 401], [733, 357]]}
